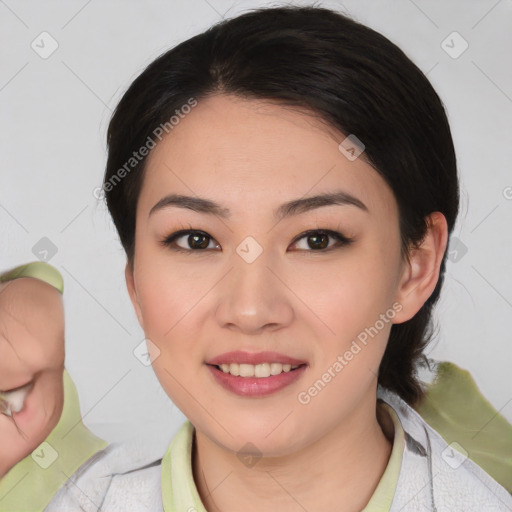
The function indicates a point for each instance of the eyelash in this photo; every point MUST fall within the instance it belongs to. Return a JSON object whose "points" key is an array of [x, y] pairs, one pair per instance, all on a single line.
{"points": [[169, 240]]}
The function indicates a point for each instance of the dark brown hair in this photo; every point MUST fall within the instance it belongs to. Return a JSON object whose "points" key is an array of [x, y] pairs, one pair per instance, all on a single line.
{"points": [[353, 78]]}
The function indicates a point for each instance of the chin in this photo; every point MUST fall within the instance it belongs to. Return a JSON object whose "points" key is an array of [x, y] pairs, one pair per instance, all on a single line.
{"points": [[266, 437]]}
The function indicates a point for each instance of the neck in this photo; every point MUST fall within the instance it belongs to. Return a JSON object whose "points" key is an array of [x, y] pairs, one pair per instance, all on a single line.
{"points": [[343, 467]]}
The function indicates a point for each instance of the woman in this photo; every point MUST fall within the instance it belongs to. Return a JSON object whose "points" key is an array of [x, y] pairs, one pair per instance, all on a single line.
{"points": [[284, 186], [284, 133]]}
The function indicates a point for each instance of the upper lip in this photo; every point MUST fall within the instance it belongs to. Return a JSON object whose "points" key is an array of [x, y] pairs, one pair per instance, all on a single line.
{"points": [[241, 357]]}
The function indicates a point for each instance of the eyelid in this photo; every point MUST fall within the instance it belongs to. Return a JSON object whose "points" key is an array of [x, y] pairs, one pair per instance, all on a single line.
{"points": [[170, 239], [338, 236], [333, 234]]}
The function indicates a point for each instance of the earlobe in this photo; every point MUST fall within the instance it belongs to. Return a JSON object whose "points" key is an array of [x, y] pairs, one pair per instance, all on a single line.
{"points": [[421, 273], [130, 285]]}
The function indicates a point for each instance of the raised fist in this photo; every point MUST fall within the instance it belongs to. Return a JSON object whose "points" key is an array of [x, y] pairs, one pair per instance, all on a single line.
{"points": [[31, 366]]}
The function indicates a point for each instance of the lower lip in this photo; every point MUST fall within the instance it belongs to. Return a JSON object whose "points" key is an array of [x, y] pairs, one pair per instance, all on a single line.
{"points": [[256, 386]]}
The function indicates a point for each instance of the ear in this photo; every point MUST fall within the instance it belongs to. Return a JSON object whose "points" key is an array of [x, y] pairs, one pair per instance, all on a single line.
{"points": [[130, 284], [421, 273]]}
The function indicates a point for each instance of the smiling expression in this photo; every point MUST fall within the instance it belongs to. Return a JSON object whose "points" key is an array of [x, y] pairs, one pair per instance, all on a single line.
{"points": [[265, 268]]}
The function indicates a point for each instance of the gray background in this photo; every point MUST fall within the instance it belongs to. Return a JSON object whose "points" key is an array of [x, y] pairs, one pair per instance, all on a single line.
{"points": [[54, 113]]}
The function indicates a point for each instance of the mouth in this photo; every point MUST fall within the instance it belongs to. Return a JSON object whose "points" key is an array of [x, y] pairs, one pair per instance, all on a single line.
{"points": [[254, 358], [259, 371], [13, 400], [255, 375]]}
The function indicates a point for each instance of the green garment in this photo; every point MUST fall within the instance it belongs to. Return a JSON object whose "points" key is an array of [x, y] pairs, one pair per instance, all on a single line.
{"points": [[455, 408], [179, 491], [39, 270], [31, 484]]}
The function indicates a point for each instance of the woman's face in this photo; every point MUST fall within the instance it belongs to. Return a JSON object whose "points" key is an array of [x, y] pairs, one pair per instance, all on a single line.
{"points": [[252, 281]]}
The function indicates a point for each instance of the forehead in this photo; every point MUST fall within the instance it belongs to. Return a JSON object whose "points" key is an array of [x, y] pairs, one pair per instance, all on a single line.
{"points": [[261, 151]]}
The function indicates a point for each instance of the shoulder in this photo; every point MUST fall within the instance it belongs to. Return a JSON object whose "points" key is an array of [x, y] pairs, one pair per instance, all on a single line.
{"points": [[437, 475], [139, 489], [119, 478]]}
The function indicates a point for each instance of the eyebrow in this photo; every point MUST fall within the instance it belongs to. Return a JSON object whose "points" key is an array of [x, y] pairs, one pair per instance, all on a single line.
{"points": [[288, 209]]}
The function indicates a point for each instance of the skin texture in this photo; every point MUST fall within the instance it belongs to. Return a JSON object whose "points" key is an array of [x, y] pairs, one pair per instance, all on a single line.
{"points": [[31, 349], [251, 156]]}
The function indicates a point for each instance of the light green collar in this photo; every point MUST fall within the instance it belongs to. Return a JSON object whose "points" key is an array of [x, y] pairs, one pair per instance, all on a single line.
{"points": [[37, 269], [179, 491], [383, 495], [28, 487]]}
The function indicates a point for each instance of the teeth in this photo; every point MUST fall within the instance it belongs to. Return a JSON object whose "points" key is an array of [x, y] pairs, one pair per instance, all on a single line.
{"points": [[256, 370], [13, 401]]}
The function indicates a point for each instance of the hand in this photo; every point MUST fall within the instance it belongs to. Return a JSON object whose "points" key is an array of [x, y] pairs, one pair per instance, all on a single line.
{"points": [[31, 364]]}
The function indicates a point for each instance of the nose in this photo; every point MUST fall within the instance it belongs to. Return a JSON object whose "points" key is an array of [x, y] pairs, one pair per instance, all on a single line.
{"points": [[254, 298]]}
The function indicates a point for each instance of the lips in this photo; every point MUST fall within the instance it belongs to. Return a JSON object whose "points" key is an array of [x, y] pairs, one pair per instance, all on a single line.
{"points": [[241, 357], [256, 386]]}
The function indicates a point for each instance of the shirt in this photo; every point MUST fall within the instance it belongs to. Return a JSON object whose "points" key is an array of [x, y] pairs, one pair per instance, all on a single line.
{"points": [[179, 491], [424, 473]]}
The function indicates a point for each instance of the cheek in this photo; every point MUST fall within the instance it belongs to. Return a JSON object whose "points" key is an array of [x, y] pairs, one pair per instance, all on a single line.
{"points": [[167, 302], [174, 301], [348, 293], [354, 300]]}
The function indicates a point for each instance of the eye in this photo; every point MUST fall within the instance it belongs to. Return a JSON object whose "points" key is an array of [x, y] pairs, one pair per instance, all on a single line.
{"points": [[196, 240], [318, 239], [193, 240]]}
